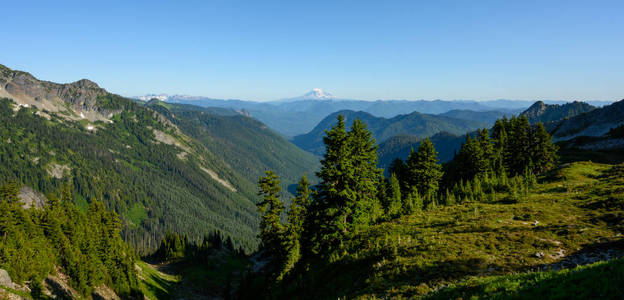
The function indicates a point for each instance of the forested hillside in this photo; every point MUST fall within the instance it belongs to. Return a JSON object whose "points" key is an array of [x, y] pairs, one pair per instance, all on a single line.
{"points": [[415, 124], [244, 143], [62, 251], [134, 160], [400, 146], [140, 167]]}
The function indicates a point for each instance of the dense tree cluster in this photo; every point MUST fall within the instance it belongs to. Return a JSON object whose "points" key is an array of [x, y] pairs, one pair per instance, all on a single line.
{"points": [[87, 246], [175, 247], [352, 194], [124, 166]]}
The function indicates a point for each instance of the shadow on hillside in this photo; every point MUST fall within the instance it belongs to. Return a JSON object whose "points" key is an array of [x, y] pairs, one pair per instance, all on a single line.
{"points": [[603, 281], [587, 255]]}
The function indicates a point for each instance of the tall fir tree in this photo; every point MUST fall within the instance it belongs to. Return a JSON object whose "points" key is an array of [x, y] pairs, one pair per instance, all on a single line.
{"points": [[543, 151], [347, 197], [327, 219], [424, 171], [364, 177], [296, 218], [271, 229], [393, 206]]}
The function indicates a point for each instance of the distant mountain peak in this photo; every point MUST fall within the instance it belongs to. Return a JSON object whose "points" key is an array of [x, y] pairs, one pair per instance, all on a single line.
{"points": [[317, 93], [161, 97]]}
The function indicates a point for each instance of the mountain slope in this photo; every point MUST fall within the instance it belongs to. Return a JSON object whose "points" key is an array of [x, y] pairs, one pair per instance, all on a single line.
{"points": [[597, 122], [244, 143], [415, 124], [400, 146], [486, 117], [133, 159], [547, 113]]}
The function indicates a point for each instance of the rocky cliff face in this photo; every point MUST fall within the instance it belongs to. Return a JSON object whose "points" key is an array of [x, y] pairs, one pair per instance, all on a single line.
{"points": [[548, 113], [78, 99]]}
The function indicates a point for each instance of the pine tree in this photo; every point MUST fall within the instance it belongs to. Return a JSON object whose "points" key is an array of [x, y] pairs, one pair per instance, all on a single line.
{"points": [[485, 163], [519, 145], [296, 217], [346, 198], [423, 168], [271, 229], [326, 226], [364, 176], [543, 151], [393, 207]]}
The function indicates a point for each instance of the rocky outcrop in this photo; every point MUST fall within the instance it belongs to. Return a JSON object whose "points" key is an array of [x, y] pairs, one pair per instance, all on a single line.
{"points": [[104, 293], [58, 287], [548, 113], [5, 279], [31, 198], [79, 99]]}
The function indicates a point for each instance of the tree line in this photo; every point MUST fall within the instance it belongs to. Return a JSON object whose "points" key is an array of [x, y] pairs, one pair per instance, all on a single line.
{"points": [[352, 193]]}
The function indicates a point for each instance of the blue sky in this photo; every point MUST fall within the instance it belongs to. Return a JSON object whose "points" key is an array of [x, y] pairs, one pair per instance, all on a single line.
{"points": [[264, 50]]}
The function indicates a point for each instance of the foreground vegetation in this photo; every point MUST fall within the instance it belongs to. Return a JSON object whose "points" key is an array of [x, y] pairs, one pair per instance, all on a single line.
{"points": [[484, 213], [602, 280], [60, 238], [573, 212]]}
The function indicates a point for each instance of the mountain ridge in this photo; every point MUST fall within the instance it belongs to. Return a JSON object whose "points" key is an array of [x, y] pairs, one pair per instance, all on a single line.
{"points": [[414, 124]]}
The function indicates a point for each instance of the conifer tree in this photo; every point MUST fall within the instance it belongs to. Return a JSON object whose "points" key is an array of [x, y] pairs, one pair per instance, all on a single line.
{"points": [[543, 151], [296, 217], [346, 198], [393, 207], [423, 168], [326, 226], [364, 177], [271, 229]]}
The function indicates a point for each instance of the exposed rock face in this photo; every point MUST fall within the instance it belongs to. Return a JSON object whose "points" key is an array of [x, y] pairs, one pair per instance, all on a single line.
{"points": [[104, 293], [58, 287], [31, 198], [81, 96], [5, 279]]}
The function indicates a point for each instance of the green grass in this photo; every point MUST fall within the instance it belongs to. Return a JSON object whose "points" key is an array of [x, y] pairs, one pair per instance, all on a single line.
{"points": [[137, 214], [577, 207], [602, 280], [156, 284]]}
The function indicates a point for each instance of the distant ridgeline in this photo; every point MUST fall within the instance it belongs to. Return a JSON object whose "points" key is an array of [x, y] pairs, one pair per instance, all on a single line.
{"points": [[579, 128], [414, 124]]}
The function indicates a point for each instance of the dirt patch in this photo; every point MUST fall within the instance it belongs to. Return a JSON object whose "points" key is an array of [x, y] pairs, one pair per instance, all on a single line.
{"points": [[219, 180], [57, 171]]}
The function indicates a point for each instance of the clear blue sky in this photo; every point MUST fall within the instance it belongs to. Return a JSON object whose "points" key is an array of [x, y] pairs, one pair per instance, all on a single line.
{"points": [[263, 50]]}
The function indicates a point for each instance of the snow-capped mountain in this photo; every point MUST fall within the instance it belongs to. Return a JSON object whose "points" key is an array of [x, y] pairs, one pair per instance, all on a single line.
{"points": [[314, 94], [318, 94], [161, 97]]}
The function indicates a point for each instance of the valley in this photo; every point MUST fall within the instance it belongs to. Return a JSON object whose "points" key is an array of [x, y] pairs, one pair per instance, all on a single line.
{"points": [[209, 202]]}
